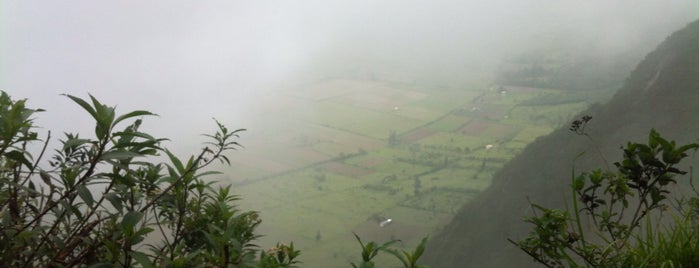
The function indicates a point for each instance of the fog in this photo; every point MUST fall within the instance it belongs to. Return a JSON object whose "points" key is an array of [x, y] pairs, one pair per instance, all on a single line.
{"points": [[238, 61], [191, 61]]}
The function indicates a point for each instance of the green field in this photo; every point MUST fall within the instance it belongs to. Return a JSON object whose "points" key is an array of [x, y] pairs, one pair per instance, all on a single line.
{"points": [[329, 171]]}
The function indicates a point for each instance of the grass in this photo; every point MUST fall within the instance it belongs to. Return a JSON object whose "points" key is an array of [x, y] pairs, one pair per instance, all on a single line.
{"points": [[418, 112], [333, 149], [673, 246], [449, 123], [529, 133], [362, 121], [455, 139]]}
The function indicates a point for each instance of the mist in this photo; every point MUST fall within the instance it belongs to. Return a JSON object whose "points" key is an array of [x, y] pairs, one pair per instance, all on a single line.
{"points": [[242, 62], [189, 61]]}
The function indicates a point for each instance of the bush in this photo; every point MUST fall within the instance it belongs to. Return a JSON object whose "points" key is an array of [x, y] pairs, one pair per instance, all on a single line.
{"points": [[626, 209], [105, 201]]}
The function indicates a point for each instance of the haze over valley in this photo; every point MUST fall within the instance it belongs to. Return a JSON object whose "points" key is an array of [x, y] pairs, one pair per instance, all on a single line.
{"points": [[382, 118]]}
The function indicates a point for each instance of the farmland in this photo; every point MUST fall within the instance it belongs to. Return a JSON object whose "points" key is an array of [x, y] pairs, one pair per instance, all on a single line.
{"points": [[349, 153]]}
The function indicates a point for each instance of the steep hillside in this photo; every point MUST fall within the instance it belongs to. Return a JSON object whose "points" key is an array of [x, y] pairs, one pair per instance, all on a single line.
{"points": [[661, 93]]}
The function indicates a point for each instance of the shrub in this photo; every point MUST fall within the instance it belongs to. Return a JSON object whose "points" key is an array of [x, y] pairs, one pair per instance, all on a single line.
{"points": [[626, 208], [105, 201]]}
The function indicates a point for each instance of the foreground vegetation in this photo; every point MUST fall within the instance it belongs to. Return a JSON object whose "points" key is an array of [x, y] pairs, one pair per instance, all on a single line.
{"points": [[620, 218], [106, 202]]}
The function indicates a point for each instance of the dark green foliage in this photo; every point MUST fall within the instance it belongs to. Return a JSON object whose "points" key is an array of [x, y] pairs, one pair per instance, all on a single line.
{"points": [[393, 140], [103, 202], [409, 259], [371, 249], [417, 186], [584, 72], [617, 203], [279, 256]]}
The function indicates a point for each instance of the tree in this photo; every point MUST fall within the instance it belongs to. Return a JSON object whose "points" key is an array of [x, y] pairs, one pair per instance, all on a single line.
{"points": [[626, 209], [417, 186], [392, 140]]}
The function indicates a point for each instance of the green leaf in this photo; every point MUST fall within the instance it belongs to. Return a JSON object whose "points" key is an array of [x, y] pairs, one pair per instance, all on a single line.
{"points": [[671, 157], [114, 199], [596, 177], [45, 177], [684, 148], [75, 210], [665, 145], [105, 113], [134, 134], [420, 249], [578, 183], [175, 161], [118, 155], [101, 131], [653, 138], [144, 231], [19, 158], [142, 259], [84, 104], [85, 194], [209, 173], [73, 143], [104, 118], [132, 114], [130, 220], [32, 187]]}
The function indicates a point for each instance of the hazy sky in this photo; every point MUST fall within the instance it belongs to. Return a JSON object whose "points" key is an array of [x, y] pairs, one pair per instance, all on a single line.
{"points": [[192, 60]]}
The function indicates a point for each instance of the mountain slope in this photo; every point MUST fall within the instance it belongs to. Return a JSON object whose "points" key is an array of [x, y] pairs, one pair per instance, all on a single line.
{"points": [[661, 93]]}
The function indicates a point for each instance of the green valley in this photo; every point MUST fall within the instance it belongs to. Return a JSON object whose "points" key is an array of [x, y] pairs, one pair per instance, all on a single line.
{"points": [[354, 152]]}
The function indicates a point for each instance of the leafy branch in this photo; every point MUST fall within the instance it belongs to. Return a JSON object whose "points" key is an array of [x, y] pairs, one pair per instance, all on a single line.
{"points": [[617, 203]]}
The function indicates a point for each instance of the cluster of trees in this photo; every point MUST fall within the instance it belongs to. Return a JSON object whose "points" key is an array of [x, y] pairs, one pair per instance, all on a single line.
{"points": [[580, 73]]}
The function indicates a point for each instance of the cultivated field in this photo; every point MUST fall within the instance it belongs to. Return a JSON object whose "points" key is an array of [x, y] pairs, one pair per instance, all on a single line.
{"points": [[350, 153]]}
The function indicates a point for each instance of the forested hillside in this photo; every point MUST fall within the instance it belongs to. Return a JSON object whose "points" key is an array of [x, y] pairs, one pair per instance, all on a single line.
{"points": [[661, 93]]}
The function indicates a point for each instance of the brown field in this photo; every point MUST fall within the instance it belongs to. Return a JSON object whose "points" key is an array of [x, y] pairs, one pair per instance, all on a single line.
{"points": [[494, 112], [474, 128]]}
